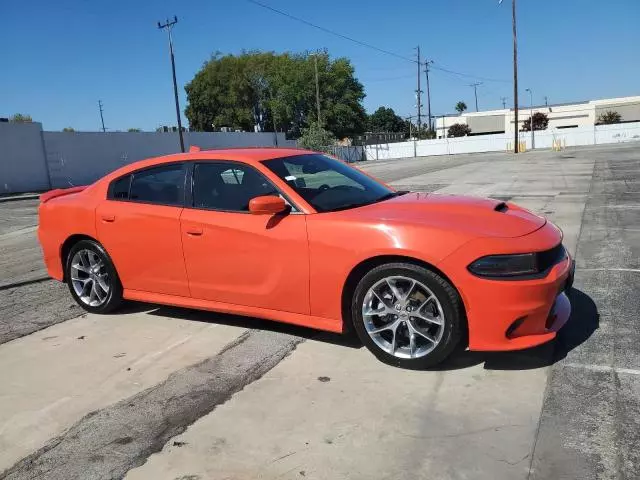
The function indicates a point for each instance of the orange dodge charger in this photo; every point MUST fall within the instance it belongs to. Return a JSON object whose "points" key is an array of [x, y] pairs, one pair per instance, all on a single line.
{"points": [[299, 237]]}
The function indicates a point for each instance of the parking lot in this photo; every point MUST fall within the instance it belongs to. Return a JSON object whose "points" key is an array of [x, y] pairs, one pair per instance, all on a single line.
{"points": [[165, 393]]}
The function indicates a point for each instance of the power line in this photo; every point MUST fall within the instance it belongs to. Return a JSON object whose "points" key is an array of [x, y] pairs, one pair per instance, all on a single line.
{"points": [[486, 79], [331, 32], [386, 79], [367, 45]]}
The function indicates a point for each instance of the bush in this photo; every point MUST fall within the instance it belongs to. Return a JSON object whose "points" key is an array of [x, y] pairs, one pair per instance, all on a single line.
{"points": [[459, 130], [21, 118], [609, 117], [316, 137], [540, 122]]}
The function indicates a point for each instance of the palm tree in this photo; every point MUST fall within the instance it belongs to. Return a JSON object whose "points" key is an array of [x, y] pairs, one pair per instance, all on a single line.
{"points": [[461, 107]]}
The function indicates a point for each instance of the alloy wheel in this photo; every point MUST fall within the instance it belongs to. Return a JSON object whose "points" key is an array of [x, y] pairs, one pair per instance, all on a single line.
{"points": [[403, 317], [89, 278]]}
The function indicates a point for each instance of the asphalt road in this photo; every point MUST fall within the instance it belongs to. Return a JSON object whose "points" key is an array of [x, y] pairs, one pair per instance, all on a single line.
{"points": [[169, 393]]}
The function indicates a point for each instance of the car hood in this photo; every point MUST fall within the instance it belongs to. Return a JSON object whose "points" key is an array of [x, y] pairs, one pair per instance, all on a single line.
{"points": [[479, 216]]}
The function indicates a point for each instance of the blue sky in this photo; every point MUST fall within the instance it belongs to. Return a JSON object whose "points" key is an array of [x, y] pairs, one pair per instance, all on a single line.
{"points": [[58, 58]]}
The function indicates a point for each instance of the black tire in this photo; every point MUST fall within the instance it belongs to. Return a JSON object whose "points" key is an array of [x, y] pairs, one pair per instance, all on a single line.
{"points": [[452, 307], [114, 296]]}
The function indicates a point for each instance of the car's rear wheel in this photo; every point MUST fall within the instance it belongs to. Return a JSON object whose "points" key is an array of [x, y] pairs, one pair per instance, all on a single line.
{"points": [[407, 315], [92, 277]]}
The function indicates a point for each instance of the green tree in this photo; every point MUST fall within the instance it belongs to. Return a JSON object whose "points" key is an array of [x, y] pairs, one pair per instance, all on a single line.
{"points": [[384, 119], [68, 129], [540, 122], [134, 130], [608, 117], [265, 89], [316, 137], [461, 107], [459, 130], [21, 118]]}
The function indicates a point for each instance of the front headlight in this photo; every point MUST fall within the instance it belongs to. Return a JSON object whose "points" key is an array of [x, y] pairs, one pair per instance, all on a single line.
{"points": [[505, 265]]}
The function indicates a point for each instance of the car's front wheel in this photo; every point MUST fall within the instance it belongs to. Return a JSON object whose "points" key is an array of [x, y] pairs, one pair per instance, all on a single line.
{"points": [[92, 277], [407, 315]]}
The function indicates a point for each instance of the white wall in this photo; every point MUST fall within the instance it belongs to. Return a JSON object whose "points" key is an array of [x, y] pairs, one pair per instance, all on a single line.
{"points": [[590, 135]]}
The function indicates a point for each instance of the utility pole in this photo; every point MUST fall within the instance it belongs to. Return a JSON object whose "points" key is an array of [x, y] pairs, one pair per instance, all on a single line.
{"points": [[426, 72], [101, 117], [169, 26], [315, 59], [475, 91], [504, 102], [418, 92], [515, 76]]}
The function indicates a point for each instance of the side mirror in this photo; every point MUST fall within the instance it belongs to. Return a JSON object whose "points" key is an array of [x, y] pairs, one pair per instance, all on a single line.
{"points": [[267, 205]]}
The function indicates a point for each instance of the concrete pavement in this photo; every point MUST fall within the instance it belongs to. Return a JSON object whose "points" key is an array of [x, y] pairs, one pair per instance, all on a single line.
{"points": [[329, 409]]}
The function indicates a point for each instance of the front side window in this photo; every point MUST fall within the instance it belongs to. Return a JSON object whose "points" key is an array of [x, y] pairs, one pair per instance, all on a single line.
{"points": [[163, 185], [221, 186], [328, 184]]}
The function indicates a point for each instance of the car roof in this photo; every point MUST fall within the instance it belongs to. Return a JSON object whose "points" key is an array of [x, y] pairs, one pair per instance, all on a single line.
{"points": [[248, 155]]}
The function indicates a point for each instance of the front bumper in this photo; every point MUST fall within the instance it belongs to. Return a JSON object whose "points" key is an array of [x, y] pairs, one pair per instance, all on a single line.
{"points": [[513, 314]]}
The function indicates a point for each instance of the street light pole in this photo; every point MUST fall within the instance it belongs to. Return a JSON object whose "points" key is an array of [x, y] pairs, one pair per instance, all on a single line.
{"points": [[533, 138], [426, 72], [169, 25]]}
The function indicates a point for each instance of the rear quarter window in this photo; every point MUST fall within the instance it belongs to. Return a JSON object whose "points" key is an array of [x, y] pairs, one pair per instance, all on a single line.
{"points": [[119, 188]]}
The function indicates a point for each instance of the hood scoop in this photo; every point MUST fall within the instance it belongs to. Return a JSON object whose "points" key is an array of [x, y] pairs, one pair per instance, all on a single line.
{"points": [[501, 207]]}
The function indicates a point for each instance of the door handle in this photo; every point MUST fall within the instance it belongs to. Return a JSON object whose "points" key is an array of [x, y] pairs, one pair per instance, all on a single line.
{"points": [[194, 232], [108, 218]]}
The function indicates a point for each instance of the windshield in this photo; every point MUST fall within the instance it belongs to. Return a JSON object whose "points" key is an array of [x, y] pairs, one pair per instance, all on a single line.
{"points": [[327, 184]]}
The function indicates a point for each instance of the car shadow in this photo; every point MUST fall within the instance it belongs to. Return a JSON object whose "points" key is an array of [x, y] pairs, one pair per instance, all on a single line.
{"points": [[582, 323], [250, 323]]}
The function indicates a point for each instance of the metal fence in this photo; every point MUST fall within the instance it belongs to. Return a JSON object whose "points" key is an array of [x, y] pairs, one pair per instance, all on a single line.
{"points": [[349, 154]]}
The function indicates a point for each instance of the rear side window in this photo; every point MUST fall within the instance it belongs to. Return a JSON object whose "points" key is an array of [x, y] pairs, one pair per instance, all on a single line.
{"points": [[162, 185], [119, 188]]}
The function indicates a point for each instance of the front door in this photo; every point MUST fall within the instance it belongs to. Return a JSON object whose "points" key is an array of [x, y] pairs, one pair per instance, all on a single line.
{"points": [[235, 257], [139, 226]]}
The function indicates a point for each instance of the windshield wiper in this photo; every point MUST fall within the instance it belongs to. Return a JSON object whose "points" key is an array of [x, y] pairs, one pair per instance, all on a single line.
{"points": [[391, 195], [386, 196], [347, 206]]}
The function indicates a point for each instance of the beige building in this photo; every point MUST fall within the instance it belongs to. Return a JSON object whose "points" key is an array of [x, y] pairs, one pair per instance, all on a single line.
{"points": [[561, 116]]}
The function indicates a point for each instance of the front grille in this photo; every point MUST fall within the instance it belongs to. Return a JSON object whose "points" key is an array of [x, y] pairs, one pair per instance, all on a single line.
{"points": [[549, 258]]}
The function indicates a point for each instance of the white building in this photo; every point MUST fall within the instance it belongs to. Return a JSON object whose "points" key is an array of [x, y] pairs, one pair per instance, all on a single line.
{"points": [[561, 116]]}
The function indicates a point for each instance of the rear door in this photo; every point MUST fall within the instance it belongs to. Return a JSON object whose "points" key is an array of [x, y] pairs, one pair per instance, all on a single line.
{"points": [[139, 225], [235, 257]]}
